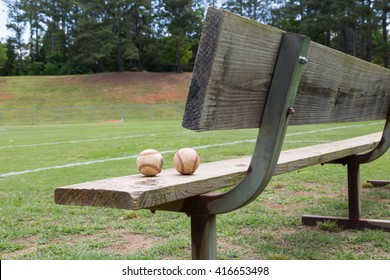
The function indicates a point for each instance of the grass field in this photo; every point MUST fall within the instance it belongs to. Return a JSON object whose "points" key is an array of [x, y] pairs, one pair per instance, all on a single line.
{"points": [[49, 100], [93, 90], [34, 160]]}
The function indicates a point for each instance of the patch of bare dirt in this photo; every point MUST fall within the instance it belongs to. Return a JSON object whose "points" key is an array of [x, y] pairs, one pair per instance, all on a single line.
{"points": [[137, 87], [120, 242], [154, 98], [128, 243], [227, 245], [5, 96], [29, 245]]}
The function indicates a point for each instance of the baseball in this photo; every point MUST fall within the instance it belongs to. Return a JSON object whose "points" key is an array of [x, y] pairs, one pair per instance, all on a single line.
{"points": [[150, 162], [186, 161]]}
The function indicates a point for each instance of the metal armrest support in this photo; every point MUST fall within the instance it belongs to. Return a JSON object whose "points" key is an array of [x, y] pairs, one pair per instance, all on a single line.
{"points": [[278, 108]]}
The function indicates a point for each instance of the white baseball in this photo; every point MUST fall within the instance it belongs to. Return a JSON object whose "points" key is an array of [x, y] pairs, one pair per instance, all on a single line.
{"points": [[186, 161], [150, 162]]}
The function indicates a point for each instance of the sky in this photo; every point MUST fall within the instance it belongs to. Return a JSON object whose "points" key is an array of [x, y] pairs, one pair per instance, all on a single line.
{"points": [[3, 21]]}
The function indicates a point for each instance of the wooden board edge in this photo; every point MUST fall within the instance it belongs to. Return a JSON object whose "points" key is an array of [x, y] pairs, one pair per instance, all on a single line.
{"points": [[101, 198], [202, 69]]}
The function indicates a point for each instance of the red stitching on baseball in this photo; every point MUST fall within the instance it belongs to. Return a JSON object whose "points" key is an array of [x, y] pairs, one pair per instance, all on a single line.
{"points": [[149, 165], [181, 163], [195, 163]]}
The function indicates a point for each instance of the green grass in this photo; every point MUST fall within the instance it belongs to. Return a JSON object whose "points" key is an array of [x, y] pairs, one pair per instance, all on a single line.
{"points": [[33, 227], [45, 100]]}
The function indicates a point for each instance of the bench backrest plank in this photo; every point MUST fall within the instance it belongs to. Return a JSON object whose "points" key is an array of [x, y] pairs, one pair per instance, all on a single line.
{"points": [[234, 67]]}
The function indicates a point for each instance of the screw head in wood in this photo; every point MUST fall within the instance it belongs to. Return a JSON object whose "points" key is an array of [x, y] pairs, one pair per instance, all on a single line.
{"points": [[303, 60], [290, 111]]}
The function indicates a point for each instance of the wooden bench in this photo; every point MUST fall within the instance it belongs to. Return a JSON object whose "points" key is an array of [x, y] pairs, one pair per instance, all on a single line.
{"points": [[249, 75]]}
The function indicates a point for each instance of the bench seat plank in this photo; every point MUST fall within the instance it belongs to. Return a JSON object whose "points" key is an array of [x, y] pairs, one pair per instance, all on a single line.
{"points": [[139, 192]]}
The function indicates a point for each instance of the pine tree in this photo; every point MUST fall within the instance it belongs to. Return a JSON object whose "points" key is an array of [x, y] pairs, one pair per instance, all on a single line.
{"points": [[54, 50], [259, 10], [382, 8], [356, 27], [3, 57], [182, 21], [17, 23], [107, 33], [9, 66]]}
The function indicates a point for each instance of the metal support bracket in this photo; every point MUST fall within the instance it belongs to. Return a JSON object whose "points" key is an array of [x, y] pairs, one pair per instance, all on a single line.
{"points": [[378, 183], [277, 111], [353, 163]]}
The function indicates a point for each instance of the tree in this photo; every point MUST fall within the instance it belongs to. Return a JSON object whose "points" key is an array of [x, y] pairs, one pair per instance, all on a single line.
{"points": [[17, 24], [9, 66], [259, 10], [182, 20], [382, 7], [176, 52], [356, 27], [141, 17], [33, 13], [316, 19], [82, 36], [93, 45], [212, 3], [59, 19], [3, 57], [108, 32], [54, 50]]}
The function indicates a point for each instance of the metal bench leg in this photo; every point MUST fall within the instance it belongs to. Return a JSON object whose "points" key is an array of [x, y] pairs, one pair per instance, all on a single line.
{"points": [[354, 191], [354, 220], [378, 183], [204, 237]]}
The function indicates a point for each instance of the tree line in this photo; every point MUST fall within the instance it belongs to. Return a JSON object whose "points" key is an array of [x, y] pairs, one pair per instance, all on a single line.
{"points": [[85, 36]]}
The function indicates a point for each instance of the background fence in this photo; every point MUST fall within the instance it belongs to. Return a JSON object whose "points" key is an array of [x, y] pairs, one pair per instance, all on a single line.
{"points": [[89, 114]]}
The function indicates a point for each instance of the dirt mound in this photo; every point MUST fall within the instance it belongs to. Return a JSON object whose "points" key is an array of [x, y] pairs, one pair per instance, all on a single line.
{"points": [[94, 90], [137, 87]]}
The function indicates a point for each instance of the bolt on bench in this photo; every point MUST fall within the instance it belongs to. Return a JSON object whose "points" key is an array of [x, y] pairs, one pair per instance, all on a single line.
{"points": [[249, 75]]}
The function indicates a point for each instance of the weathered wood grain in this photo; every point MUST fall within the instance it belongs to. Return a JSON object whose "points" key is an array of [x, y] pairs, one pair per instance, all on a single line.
{"points": [[234, 67], [138, 192], [336, 87]]}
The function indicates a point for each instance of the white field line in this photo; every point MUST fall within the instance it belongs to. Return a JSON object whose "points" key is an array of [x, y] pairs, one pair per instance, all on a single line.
{"points": [[169, 151], [332, 128], [152, 135], [307, 141], [114, 159], [77, 141]]}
